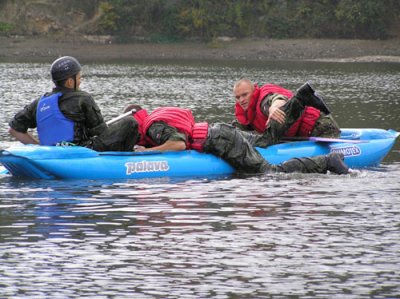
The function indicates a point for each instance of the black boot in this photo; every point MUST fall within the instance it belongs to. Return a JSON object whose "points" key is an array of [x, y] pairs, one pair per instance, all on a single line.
{"points": [[309, 97], [335, 163]]}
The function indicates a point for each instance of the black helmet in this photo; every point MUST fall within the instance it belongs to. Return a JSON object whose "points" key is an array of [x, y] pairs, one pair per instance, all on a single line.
{"points": [[64, 67]]}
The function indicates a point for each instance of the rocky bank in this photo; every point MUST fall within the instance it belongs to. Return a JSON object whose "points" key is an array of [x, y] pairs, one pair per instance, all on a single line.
{"points": [[104, 48]]}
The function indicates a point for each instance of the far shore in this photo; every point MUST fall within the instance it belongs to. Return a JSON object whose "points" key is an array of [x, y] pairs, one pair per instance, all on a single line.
{"points": [[44, 49]]}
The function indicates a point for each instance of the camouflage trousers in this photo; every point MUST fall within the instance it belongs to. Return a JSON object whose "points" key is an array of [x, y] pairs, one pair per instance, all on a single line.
{"points": [[274, 131], [326, 126], [120, 136], [227, 142]]}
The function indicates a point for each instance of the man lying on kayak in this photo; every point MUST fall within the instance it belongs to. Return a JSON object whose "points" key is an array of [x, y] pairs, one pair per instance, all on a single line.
{"points": [[174, 129], [256, 106]]}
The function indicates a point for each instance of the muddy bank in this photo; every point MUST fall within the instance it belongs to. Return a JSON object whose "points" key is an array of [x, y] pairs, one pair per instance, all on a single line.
{"points": [[19, 49]]}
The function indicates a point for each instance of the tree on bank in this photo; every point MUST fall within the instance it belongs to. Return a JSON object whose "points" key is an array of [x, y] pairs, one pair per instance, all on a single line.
{"points": [[168, 20]]}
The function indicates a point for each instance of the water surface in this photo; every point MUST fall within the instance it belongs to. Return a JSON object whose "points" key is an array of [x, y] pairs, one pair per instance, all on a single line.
{"points": [[272, 236]]}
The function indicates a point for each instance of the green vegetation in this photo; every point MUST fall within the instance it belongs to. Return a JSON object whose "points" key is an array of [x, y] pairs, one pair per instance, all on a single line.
{"points": [[109, 18], [5, 28], [206, 19]]}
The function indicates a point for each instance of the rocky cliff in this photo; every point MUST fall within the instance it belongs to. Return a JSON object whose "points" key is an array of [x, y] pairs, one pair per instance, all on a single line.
{"points": [[90, 17], [43, 17]]}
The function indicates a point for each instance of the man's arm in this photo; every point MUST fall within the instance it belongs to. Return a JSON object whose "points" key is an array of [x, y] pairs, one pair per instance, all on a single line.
{"points": [[25, 138], [80, 107], [170, 145], [165, 137], [271, 107], [22, 121]]}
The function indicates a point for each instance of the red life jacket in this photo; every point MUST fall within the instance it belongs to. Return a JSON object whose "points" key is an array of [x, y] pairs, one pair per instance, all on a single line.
{"points": [[140, 117], [305, 123], [183, 121], [256, 119], [199, 136]]}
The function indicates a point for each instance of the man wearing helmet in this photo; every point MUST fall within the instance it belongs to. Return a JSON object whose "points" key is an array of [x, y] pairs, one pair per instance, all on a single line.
{"points": [[67, 114]]}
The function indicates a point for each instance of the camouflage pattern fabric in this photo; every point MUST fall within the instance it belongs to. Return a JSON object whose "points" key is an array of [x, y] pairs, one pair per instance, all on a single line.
{"points": [[274, 132], [236, 148], [160, 132], [318, 164], [228, 142], [326, 127]]}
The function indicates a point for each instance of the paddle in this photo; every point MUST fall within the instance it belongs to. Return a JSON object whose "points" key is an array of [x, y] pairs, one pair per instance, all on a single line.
{"points": [[323, 139], [111, 121]]}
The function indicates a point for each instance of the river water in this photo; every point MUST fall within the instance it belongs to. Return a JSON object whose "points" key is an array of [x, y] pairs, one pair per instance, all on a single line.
{"points": [[271, 236]]}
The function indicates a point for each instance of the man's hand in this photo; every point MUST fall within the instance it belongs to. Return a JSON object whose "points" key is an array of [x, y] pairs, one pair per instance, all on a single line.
{"points": [[275, 113], [25, 138], [139, 148], [169, 145]]}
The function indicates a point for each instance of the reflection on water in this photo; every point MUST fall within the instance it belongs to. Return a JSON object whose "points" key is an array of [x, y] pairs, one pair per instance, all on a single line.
{"points": [[280, 236], [253, 237]]}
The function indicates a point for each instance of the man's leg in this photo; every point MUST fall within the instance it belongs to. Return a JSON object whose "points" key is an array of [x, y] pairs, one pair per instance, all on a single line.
{"points": [[309, 97], [227, 142], [120, 136], [294, 108], [326, 127], [318, 164], [274, 132]]}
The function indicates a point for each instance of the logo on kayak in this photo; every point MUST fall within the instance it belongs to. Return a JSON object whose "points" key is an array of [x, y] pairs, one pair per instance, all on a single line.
{"points": [[146, 166], [347, 151]]}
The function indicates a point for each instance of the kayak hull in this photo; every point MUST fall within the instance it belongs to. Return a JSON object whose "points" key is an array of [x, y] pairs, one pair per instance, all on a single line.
{"points": [[364, 148]]}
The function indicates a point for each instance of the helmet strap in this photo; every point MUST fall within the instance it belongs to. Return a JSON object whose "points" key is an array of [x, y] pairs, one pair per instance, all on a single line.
{"points": [[75, 82]]}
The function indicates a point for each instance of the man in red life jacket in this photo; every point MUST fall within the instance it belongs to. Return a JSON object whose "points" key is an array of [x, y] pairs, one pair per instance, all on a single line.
{"points": [[174, 129], [259, 107]]}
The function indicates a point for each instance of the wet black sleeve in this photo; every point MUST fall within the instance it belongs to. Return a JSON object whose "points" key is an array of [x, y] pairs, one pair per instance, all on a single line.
{"points": [[25, 119], [94, 118], [80, 107]]}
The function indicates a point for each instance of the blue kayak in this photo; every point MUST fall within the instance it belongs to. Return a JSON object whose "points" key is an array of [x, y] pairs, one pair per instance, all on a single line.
{"points": [[361, 147]]}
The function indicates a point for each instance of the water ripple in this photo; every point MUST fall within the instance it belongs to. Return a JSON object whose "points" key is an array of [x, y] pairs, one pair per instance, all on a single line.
{"points": [[272, 236]]}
